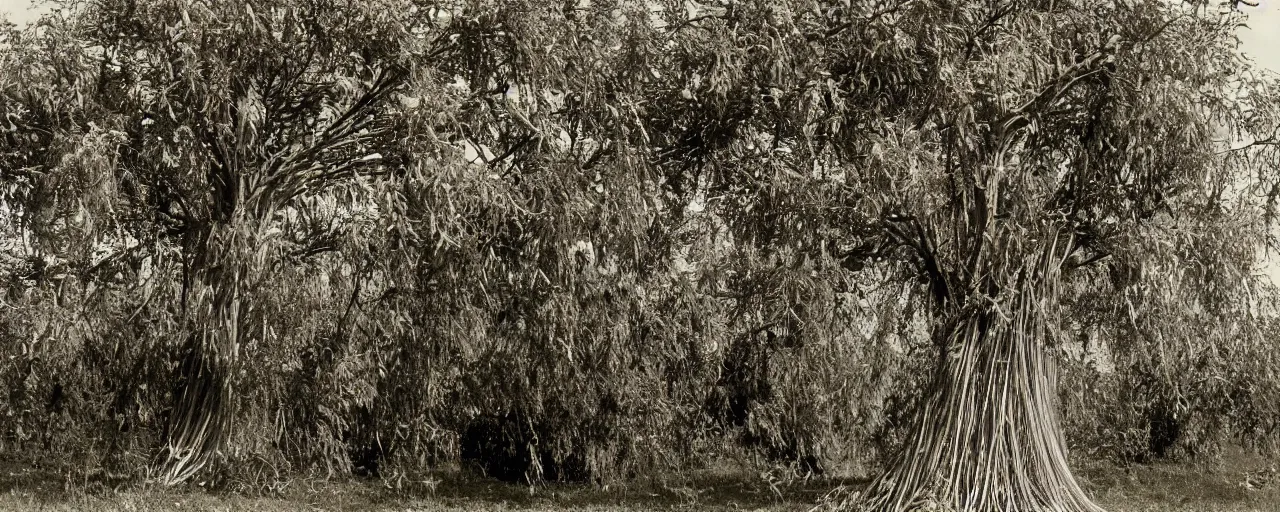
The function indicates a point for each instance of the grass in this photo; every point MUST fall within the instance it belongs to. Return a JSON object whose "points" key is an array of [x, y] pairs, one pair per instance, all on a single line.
{"points": [[1163, 487], [1182, 487]]}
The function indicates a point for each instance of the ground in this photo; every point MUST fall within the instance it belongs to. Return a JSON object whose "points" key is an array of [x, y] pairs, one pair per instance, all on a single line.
{"points": [[1236, 483]]}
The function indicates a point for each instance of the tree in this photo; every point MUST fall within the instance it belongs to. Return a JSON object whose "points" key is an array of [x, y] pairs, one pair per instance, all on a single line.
{"points": [[211, 121], [1039, 153], [1000, 150]]}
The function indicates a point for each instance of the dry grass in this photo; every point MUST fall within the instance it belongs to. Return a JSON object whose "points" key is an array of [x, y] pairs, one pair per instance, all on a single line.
{"points": [[1188, 487], [1164, 487]]}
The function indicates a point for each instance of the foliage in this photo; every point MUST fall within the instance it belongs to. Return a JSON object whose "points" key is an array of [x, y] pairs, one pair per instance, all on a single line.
{"points": [[591, 240]]}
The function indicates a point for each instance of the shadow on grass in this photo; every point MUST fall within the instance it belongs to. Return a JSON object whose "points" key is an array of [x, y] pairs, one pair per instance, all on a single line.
{"points": [[32, 480], [1220, 486], [693, 490]]}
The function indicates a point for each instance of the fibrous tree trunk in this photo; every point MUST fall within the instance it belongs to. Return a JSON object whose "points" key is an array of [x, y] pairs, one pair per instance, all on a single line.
{"points": [[217, 314], [227, 257], [988, 437]]}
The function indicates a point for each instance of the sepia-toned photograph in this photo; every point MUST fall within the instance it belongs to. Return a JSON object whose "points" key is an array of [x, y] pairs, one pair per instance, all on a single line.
{"points": [[640, 255]]}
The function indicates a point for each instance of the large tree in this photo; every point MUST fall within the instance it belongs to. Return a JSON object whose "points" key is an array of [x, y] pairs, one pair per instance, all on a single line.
{"points": [[1045, 138], [1002, 151], [205, 124]]}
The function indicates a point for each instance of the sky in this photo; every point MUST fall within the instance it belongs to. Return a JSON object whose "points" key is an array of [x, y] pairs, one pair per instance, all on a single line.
{"points": [[19, 11], [1261, 40]]}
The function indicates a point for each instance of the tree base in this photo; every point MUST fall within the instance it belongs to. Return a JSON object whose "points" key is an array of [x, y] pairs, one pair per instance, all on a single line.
{"points": [[988, 438], [200, 420]]}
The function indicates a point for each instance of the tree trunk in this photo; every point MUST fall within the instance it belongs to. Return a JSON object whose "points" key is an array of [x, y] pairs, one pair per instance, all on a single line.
{"points": [[201, 419], [988, 437]]}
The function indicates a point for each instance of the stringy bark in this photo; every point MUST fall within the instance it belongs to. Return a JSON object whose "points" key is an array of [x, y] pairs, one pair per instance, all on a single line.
{"points": [[202, 416], [989, 437]]}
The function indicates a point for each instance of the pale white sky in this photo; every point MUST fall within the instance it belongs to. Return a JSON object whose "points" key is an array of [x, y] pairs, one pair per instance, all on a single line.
{"points": [[1262, 38], [19, 11]]}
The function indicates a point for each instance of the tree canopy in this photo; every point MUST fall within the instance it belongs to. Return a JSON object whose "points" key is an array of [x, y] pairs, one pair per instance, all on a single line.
{"points": [[599, 236]]}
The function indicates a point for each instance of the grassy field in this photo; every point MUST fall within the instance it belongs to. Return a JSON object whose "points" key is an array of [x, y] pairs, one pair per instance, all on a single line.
{"points": [[1198, 487]]}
